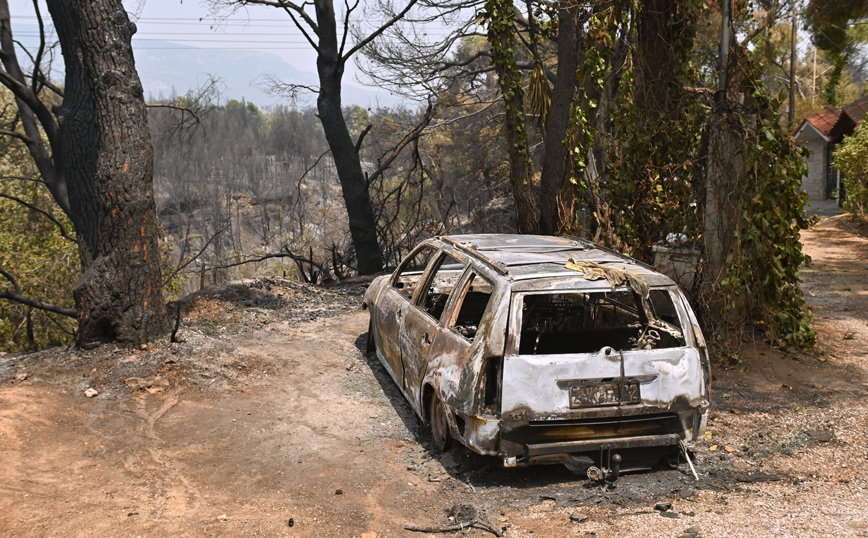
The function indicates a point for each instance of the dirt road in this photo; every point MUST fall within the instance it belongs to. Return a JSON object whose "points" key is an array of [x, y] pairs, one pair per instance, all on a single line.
{"points": [[270, 421]]}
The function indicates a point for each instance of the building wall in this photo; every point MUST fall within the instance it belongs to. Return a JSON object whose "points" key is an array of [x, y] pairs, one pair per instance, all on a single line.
{"points": [[815, 182]]}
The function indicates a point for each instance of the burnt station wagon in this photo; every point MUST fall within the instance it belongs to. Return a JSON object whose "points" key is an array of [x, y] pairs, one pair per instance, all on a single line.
{"points": [[542, 350]]}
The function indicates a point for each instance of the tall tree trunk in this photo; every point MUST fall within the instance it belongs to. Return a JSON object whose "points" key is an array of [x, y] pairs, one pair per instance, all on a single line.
{"points": [[106, 156], [556, 166], [501, 35], [662, 28], [354, 185], [725, 170], [657, 62]]}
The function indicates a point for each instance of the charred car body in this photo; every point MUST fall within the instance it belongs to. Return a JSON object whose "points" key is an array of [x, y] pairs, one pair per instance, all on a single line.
{"points": [[542, 350]]}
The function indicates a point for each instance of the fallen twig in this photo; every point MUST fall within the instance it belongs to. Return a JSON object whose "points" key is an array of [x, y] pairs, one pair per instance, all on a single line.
{"points": [[852, 228], [477, 523]]}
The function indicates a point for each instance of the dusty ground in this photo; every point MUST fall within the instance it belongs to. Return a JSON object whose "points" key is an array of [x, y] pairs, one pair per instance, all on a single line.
{"points": [[268, 420]]}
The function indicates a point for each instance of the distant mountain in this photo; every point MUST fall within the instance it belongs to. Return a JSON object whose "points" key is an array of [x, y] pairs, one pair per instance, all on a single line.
{"points": [[179, 68], [242, 73]]}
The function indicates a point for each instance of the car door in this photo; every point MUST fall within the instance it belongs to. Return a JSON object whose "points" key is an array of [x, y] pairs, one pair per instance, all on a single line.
{"points": [[396, 303], [464, 334], [421, 320]]}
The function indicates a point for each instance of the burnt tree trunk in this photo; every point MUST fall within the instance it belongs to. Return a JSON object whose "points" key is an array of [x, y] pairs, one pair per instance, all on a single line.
{"points": [[556, 212], [106, 157], [354, 186]]}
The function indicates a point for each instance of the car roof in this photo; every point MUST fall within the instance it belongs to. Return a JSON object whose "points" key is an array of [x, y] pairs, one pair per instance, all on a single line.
{"points": [[531, 257]]}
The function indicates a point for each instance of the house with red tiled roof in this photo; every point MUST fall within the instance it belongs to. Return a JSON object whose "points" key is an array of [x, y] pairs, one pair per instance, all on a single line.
{"points": [[820, 132]]}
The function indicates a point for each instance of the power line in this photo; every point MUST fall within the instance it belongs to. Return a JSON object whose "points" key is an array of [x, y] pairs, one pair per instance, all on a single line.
{"points": [[222, 41], [212, 23], [207, 34], [217, 39], [262, 49]]}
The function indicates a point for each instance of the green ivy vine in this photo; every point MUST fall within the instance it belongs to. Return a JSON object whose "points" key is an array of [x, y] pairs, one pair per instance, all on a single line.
{"points": [[650, 185], [763, 278], [602, 27], [501, 36]]}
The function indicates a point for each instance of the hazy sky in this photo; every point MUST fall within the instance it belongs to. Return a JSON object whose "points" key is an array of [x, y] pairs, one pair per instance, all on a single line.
{"points": [[190, 23]]}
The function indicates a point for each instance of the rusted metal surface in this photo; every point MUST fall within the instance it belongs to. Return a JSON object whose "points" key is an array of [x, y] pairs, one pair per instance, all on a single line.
{"points": [[637, 382]]}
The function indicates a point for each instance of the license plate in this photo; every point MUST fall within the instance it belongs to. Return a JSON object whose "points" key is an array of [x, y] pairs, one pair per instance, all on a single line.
{"points": [[600, 394]]}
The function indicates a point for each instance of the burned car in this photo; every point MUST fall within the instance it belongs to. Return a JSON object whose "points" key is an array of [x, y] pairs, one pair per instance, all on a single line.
{"points": [[542, 350]]}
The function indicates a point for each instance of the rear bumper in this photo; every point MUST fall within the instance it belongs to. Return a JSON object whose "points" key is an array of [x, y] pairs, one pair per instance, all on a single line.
{"points": [[643, 437], [640, 433], [592, 445]]}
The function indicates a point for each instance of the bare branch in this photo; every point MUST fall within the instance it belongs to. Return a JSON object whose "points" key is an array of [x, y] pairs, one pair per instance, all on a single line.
{"points": [[13, 78], [33, 303], [21, 178], [181, 266], [33, 112], [362, 137], [299, 9], [196, 103], [183, 109], [175, 107], [38, 60], [285, 254], [376, 33], [39, 305], [15, 134], [769, 20], [385, 161], [347, 14], [46, 214], [462, 118], [47, 83], [272, 85], [12, 280], [481, 54], [478, 523]]}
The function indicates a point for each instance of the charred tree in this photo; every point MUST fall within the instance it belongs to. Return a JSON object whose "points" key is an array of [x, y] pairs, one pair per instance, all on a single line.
{"points": [[330, 65], [322, 33], [98, 166]]}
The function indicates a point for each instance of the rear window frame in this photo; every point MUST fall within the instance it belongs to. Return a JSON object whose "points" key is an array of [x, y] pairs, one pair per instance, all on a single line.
{"points": [[516, 299]]}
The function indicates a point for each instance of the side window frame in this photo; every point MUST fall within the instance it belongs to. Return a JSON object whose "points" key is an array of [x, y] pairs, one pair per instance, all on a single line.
{"points": [[423, 276], [456, 301], [431, 271]]}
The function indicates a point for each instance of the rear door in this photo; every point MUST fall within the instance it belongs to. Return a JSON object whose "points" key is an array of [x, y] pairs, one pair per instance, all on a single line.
{"points": [[422, 319], [465, 332], [395, 304], [596, 349]]}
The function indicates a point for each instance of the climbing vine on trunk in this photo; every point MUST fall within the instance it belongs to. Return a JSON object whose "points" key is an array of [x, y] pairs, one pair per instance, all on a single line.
{"points": [[501, 36], [724, 174], [657, 125], [602, 28], [762, 283]]}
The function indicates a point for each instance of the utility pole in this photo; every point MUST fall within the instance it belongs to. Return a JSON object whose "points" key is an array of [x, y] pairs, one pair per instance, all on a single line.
{"points": [[724, 49], [791, 116]]}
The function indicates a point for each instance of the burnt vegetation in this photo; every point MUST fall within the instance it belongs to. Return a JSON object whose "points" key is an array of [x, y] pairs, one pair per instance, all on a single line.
{"points": [[620, 122], [250, 192]]}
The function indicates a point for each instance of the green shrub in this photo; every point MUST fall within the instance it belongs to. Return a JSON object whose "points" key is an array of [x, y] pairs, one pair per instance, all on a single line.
{"points": [[851, 157]]}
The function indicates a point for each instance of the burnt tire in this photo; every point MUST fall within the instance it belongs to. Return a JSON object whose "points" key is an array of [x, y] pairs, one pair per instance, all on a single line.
{"points": [[370, 346], [440, 433]]}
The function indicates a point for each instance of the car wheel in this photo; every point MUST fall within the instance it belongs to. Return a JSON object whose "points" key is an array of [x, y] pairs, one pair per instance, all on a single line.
{"points": [[439, 426], [369, 343]]}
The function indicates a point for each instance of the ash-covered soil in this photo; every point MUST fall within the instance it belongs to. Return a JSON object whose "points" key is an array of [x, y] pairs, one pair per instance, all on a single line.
{"points": [[267, 419]]}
